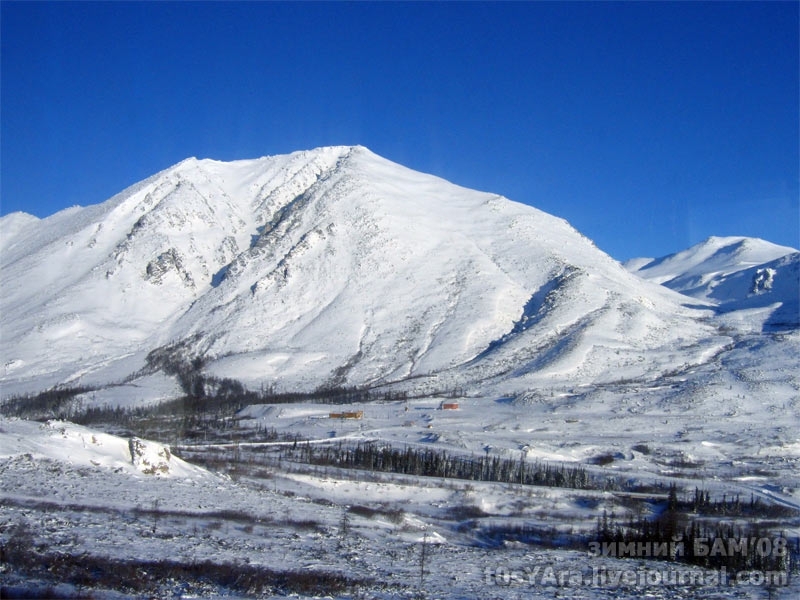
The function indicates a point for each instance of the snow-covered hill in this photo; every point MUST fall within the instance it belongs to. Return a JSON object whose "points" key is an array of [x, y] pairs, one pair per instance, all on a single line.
{"points": [[735, 273], [327, 267], [66, 442]]}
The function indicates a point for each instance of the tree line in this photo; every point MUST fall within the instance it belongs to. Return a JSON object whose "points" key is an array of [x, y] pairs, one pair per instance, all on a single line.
{"points": [[683, 532], [426, 462]]}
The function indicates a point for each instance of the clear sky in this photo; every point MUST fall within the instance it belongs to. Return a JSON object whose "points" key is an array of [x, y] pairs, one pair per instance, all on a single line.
{"points": [[648, 126]]}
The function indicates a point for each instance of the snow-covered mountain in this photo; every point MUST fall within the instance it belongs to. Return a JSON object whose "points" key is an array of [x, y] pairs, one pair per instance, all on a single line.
{"points": [[735, 273], [335, 267], [326, 267]]}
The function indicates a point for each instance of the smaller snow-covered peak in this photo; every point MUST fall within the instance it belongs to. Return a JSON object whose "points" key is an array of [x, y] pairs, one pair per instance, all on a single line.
{"points": [[713, 256], [735, 273]]}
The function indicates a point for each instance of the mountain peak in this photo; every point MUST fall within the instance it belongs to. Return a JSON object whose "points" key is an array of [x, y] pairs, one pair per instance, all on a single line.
{"points": [[331, 266]]}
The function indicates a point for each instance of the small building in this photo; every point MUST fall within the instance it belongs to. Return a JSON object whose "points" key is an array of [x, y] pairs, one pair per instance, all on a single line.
{"points": [[449, 405], [347, 415]]}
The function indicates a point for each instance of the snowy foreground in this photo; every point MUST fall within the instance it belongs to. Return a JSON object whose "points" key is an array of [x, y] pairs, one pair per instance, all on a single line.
{"points": [[69, 491], [258, 523]]}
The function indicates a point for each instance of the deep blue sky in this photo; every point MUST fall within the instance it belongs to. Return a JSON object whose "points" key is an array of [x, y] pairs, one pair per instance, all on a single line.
{"points": [[649, 126]]}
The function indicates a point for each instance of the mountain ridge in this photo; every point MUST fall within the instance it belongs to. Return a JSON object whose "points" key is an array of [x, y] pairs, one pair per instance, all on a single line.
{"points": [[329, 267]]}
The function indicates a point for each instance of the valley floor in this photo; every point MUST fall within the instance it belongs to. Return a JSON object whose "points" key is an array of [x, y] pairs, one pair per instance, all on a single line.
{"points": [[311, 535], [248, 511]]}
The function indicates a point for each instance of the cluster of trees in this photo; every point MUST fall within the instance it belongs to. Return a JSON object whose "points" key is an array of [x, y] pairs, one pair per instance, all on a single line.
{"points": [[207, 405], [57, 403], [229, 395], [731, 506], [205, 397], [681, 533], [438, 463]]}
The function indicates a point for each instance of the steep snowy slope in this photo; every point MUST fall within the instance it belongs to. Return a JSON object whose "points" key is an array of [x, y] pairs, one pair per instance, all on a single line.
{"points": [[736, 273], [327, 267], [90, 288]]}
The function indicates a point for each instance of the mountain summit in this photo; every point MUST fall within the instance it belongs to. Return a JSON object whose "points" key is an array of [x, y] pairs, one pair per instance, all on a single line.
{"points": [[327, 267]]}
